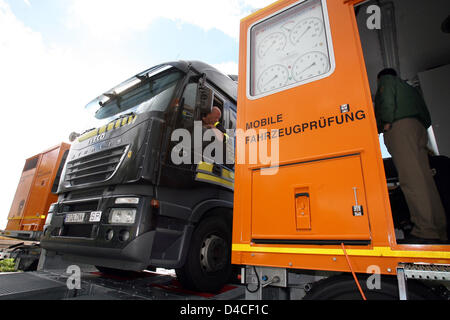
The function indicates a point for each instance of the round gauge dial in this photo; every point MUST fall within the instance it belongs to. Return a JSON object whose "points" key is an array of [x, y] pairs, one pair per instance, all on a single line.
{"points": [[275, 42], [306, 31], [273, 78], [310, 65]]}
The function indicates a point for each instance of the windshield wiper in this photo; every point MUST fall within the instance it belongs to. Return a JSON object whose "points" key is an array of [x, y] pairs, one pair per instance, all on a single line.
{"points": [[89, 130], [111, 96]]}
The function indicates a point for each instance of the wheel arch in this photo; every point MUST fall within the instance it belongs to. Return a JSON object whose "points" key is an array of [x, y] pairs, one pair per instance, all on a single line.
{"points": [[211, 208]]}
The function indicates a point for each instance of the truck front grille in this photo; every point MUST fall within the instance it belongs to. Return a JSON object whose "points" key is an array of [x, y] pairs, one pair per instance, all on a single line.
{"points": [[94, 168], [78, 207]]}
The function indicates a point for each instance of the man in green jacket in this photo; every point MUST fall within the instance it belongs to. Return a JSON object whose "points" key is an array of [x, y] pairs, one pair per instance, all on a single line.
{"points": [[403, 117]]}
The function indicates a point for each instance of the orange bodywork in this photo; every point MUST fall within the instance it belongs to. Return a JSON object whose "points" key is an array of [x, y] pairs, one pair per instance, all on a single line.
{"points": [[33, 196], [298, 217]]}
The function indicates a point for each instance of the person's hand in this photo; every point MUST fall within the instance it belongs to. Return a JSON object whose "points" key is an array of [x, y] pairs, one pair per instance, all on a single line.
{"points": [[387, 127]]}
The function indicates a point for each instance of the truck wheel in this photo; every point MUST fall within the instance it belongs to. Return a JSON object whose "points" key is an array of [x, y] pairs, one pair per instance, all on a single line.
{"points": [[343, 287], [208, 263]]}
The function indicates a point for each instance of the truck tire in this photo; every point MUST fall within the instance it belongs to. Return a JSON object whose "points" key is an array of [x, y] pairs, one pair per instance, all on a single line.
{"points": [[343, 287], [208, 263]]}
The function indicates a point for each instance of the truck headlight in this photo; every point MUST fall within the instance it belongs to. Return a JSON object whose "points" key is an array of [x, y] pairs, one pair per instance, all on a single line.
{"points": [[127, 201], [122, 216]]}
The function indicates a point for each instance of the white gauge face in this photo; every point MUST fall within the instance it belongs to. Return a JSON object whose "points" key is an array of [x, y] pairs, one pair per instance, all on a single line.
{"points": [[289, 49], [306, 31], [310, 65], [273, 78], [272, 43]]}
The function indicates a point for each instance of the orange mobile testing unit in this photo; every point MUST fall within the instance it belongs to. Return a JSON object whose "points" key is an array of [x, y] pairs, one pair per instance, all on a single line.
{"points": [[34, 193], [324, 204]]}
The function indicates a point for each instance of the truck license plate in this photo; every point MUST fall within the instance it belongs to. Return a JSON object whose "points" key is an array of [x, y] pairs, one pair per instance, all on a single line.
{"points": [[74, 217], [96, 216]]}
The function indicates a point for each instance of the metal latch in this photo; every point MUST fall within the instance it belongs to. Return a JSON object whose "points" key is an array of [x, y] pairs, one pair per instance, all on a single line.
{"points": [[302, 211], [358, 210]]}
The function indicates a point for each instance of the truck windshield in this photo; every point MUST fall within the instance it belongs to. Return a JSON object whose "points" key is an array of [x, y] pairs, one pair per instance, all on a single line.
{"points": [[149, 91]]}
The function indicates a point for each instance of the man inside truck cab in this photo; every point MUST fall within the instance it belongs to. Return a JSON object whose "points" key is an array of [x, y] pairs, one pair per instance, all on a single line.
{"points": [[404, 119], [212, 121]]}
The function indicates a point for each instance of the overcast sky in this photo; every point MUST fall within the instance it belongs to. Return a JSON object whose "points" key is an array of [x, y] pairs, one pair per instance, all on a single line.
{"points": [[57, 55]]}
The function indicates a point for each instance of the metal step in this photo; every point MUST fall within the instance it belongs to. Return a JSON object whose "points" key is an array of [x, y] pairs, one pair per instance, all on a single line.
{"points": [[426, 271]]}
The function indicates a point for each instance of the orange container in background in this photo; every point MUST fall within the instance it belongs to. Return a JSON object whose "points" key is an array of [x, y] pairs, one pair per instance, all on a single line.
{"points": [[36, 190]]}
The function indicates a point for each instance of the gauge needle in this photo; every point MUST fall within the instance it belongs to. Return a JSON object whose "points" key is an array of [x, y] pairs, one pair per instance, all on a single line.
{"points": [[307, 29], [267, 50], [308, 68], [270, 80]]}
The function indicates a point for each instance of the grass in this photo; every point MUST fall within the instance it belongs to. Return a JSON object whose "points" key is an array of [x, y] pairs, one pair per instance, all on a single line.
{"points": [[7, 265]]}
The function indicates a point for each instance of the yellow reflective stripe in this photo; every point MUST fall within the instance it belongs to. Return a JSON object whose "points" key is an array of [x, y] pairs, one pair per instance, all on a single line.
{"points": [[88, 135], [113, 125], [204, 166], [102, 130], [207, 177], [375, 252], [208, 167], [27, 218], [228, 174]]}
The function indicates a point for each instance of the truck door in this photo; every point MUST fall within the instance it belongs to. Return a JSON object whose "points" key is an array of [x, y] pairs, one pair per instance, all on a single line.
{"points": [[306, 85]]}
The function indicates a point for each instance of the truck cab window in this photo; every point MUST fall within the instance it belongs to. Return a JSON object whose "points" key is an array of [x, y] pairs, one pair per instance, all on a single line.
{"points": [[218, 102], [188, 109], [232, 119]]}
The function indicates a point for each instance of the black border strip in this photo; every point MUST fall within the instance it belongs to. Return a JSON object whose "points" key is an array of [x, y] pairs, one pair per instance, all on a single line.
{"points": [[314, 242]]}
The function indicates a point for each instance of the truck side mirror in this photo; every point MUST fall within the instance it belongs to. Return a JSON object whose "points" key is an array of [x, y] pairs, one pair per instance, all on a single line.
{"points": [[205, 98]]}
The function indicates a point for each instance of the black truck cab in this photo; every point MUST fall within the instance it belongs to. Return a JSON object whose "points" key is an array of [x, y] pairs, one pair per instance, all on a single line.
{"points": [[125, 204]]}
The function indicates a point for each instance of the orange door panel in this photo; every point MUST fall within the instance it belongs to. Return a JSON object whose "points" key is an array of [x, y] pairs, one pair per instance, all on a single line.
{"points": [[313, 201], [41, 189], [22, 192]]}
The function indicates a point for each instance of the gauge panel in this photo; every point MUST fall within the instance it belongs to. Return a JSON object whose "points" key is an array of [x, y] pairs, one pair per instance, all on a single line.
{"points": [[290, 48]]}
